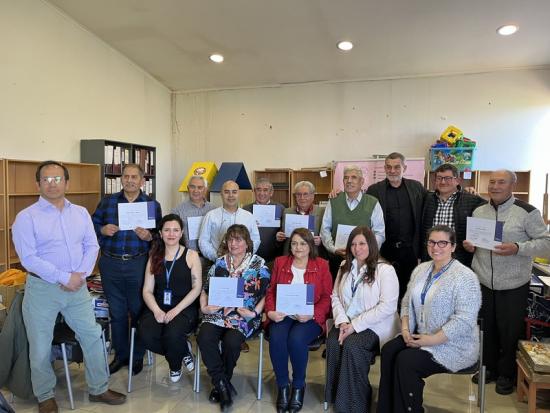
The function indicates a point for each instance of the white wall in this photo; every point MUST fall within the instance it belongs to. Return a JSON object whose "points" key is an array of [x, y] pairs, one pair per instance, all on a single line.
{"points": [[507, 112], [60, 84]]}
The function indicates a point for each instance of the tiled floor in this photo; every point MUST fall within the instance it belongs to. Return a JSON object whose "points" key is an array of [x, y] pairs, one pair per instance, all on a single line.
{"points": [[152, 391]]}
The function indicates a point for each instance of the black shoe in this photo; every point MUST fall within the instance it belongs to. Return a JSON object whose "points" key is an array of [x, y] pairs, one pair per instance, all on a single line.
{"points": [[504, 385], [214, 396], [116, 365], [489, 377], [296, 400], [137, 366], [232, 388], [283, 397], [225, 394]]}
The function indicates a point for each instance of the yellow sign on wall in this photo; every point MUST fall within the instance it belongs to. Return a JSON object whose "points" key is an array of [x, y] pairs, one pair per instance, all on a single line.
{"points": [[207, 169]]}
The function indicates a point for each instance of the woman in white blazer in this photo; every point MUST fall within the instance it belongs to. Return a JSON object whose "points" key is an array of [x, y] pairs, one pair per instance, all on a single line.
{"points": [[364, 307]]}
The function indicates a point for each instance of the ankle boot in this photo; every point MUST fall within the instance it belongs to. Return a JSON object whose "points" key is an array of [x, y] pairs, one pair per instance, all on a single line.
{"points": [[283, 398], [296, 400], [225, 394]]}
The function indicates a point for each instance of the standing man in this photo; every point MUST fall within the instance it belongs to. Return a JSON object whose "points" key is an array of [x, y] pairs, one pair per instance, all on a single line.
{"points": [[504, 274], [122, 263], [56, 243], [269, 246], [449, 205], [304, 195], [215, 223], [350, 207], [401, 200]]}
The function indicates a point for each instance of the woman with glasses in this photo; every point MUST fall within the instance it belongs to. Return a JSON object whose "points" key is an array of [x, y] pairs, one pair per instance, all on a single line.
{"points": [[439, 330], [291, 334], [364, 307], [224, 329]]}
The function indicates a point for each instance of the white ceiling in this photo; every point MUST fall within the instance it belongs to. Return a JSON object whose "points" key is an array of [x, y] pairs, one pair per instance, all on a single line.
{"points": [[270, 42]]}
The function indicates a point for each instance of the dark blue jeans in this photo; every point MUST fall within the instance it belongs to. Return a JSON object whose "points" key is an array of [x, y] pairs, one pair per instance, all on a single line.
{"points": [[123, 283], [290, 339]]}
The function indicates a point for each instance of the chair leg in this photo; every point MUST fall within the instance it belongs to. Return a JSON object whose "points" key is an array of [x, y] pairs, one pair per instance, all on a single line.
{"points": [[105, 356], [325, 402], [150, 356], [67, 374], [260, 365], [197, 378], [131, 360], [482, 389]]}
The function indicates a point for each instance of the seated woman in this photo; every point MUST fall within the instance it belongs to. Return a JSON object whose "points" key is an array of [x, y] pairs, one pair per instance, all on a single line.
{"points": [[231, 325], [170, 290], [290, 334], [364, 307], [439, 330]]}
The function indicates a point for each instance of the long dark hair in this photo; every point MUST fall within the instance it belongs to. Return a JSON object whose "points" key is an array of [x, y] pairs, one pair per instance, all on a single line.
{"points": [[372, 259], [158, 249]]}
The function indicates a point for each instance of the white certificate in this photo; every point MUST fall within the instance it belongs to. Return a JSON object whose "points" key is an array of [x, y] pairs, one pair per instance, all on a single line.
{"points": [[266, 215], [484, 233], [136, 214], [295, 299], [342, 235], [293, 221], [193, 227], [226, 291]]}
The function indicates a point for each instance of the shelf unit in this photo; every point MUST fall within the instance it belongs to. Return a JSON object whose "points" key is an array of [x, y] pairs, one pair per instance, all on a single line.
{"points": [[21, 191], [323, 184], [280, 178], [522, 185], [112, 155], [3, 232]]}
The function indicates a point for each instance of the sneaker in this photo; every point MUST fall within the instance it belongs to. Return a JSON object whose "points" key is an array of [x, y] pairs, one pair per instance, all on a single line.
{"points": [[504, 385], [188, 360], [175, 376]]}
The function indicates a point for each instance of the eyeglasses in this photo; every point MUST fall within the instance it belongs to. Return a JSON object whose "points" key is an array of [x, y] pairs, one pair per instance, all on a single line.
{"points": [[444, 178], [51, 179], [440, 244]]}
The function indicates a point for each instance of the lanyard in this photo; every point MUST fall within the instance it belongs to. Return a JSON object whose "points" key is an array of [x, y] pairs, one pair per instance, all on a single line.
{"points": [[432, 279], [355, 284], [169, 271]]}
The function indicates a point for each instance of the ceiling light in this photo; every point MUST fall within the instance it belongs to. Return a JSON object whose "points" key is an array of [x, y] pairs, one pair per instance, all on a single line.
{"points": [[345, 45], [507, 30], [216, 58]]}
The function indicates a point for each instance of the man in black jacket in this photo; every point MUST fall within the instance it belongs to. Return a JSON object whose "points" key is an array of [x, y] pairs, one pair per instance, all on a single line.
{"points": [[401, 200], [449, 205]]}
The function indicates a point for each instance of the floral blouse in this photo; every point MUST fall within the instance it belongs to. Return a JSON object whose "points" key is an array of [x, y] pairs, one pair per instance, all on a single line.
{"points": [[256, 280]]}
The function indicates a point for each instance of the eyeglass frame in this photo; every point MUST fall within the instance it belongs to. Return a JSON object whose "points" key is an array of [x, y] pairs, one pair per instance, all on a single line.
{"points": [[432, 243], [51, 179]]}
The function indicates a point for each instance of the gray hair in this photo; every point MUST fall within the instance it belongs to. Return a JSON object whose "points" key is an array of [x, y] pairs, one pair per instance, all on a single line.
{"points": [[353, 168], [307, 184], [264, 181], [511, 174], [396, 155], [201, 177]]}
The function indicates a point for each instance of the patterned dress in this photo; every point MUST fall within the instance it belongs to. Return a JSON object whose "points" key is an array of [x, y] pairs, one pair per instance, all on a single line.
{"points": [[256, 280]]}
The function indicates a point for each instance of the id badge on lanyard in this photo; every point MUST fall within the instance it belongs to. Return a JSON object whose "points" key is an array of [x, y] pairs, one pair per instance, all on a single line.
{"points": [[167, 297]]}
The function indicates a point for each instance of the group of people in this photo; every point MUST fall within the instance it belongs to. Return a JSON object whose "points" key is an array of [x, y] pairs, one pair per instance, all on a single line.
{"points": [[408, 250]]}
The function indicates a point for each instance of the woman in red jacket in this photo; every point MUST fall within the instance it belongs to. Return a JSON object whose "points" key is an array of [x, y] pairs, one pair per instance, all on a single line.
{"points": [[290, 334]]}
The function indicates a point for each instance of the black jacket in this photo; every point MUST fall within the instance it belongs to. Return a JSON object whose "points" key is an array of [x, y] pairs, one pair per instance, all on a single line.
{"points": [[416, 195], [464, 205]]}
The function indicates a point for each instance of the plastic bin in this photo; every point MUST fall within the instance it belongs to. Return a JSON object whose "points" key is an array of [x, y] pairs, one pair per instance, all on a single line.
{"points": [[462, 158]]}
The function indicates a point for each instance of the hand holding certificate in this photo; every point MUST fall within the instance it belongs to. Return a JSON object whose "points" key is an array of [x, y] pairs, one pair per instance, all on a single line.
{"points": [[342, 235], [295, 299], [132, 215], [293, 221], [484, 233], [226, 291], [267, 215]]}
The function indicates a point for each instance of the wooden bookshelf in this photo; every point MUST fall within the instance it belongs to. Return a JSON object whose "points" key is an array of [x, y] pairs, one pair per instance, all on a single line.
{"points": [[320, 177], [280, 178], [112, 155], [21, 191]]}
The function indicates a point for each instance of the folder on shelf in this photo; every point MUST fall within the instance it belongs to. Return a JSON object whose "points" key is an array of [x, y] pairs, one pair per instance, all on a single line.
{"points": [[109, 149], [117, 168]]}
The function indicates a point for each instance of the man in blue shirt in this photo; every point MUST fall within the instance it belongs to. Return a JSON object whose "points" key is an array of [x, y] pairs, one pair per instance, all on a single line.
{"points": [[56, 244], [122, 263]]}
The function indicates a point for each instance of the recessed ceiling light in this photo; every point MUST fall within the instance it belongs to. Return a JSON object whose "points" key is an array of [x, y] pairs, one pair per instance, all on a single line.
{"points": [[507, 30], [216, 58], [345, 45]]}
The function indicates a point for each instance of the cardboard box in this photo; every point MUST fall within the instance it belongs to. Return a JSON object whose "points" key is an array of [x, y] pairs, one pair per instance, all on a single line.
{"points": [[7, 293]]}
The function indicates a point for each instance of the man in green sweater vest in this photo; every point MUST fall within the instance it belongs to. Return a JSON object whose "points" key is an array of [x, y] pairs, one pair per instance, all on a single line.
{"points": [[350, 208]]}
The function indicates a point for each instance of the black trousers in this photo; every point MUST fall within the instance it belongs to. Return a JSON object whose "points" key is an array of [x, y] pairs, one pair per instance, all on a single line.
{"points": [[401, 381], [503, 313], [404, 261], [334, 262], [219, 366], [169, 339]]}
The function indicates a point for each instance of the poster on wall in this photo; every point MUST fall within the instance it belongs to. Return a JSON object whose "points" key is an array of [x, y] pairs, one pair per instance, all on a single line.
{"points": [[373, 171]]}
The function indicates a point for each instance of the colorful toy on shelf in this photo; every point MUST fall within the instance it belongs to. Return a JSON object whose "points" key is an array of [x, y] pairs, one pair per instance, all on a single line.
{"points": [[454, 148], [451, 134]]}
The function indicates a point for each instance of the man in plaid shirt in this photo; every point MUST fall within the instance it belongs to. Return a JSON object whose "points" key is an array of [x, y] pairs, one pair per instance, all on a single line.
{"points": [[449, 205], [122, 263]]}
